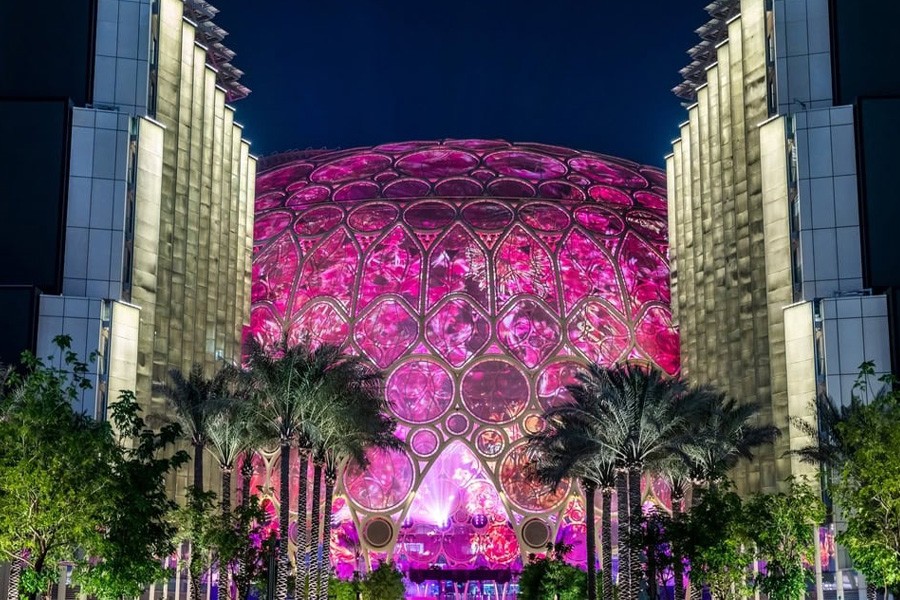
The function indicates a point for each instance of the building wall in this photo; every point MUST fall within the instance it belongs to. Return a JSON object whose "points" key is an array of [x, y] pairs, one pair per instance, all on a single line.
{"points": [[769, 236], [717, 233]]}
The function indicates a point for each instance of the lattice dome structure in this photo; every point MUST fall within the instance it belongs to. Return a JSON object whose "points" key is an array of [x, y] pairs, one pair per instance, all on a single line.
{"points": [[478, 275]]}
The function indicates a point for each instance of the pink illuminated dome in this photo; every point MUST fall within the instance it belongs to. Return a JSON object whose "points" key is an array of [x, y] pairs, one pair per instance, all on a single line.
{"points": [[478, 275]]}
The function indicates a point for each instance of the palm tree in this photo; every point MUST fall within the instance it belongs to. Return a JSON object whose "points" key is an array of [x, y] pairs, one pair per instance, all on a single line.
{"points": [[568, 447], [717, 434], [288, 383], [674, 471], [195, 400], [362, 422], [230, 433], [634, 410]]}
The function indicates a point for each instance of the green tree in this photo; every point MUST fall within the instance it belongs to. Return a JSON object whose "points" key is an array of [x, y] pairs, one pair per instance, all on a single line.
{"points": [[56, 485], [780, 525], [199, 523], [868, 485], [551, 578], [712, 537], [137, 528], [385, 582]]}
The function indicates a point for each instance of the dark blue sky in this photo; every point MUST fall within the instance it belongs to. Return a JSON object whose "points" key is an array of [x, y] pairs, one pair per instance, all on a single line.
{"points": [[588, 74]]}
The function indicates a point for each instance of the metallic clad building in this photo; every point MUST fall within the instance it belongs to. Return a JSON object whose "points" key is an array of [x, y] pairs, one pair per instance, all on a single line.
{"points": [[784, 271], [156, 237], [478, 275]]}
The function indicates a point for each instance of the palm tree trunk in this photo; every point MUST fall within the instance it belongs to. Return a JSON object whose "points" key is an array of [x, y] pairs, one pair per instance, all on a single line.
{"points": [[226, 491], [302, 537], [677, 564], [198, 467], [246, 475], [635, 511], [15, 576], [313, 544], [606, 542], [590, 489], [871, 591], [622, 516], [241, 567], [195, 571], [325, 576], [284, 496]]}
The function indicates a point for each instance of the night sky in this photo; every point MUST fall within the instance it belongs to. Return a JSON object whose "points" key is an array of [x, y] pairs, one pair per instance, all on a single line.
{"points": [[588, 74]]}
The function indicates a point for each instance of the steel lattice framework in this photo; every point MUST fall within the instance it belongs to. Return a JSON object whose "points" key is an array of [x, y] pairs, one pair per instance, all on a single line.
{"points": [[478, 275]]}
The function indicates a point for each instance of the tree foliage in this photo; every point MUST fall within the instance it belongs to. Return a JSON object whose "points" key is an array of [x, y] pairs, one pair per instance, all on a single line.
{"points": [[137, 526], [868, 485], [781, 526], [56, 487], [712, 538], [550, 577]]}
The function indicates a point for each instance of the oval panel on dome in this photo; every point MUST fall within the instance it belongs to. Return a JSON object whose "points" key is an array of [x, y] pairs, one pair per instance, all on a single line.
{"points": [[609, 195], [436, 163], [424, 442], [384, 484], [522, 489], [308, 195], [407, 188], [608, 172], [269, 200], [358, 190], [319, 220], [373, 217], [495, 391], [419, 391], [429, 215], [600, 221], [487, 215], [561, 190], [525, 165], [458, 187], [356, 166], [271, 224], [511, 188], [544, 217]]}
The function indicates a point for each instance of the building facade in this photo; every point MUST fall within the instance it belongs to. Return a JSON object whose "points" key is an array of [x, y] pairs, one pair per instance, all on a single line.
{"points": [[478, 275], [784, 274], [131, 191]]}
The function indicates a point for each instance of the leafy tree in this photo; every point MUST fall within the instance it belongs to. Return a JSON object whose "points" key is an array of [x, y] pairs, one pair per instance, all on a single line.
{"points": [[781, 525], [712, 537], [137, 529], [199, 523], [868, 486], [243, 537], [385, 582], [56, 485], [552, 578]]}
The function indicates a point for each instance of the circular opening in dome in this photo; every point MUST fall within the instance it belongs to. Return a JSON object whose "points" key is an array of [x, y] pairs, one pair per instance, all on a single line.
{"points": [[378, 532], [535, 533]]}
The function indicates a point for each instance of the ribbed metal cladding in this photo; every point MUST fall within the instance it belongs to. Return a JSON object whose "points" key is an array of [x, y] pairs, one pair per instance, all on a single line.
{"points": [[722, 300], [195, 217]]}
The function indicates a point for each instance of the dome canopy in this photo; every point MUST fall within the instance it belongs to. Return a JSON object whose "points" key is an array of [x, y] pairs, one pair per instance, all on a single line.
{"points": [[454, 169], [479, 275]]}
